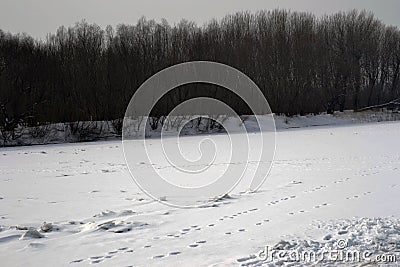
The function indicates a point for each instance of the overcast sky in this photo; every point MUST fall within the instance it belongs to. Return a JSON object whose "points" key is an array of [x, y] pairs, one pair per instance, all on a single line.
{"points": [[39, 17]]}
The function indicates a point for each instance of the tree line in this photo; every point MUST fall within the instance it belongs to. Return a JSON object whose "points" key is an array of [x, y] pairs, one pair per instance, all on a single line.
{"points": [[302, 64]]}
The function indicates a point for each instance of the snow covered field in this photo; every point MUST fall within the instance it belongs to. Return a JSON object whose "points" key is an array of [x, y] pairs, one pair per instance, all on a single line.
{"points": [[330, 187]]}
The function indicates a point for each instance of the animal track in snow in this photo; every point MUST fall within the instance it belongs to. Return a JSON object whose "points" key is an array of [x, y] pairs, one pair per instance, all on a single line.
{"points": [[341, 180], [262, 222], [158, 256], [305, 211], [320, 206], [358, 196], [318, 188], [108, 255], [235, 215], [274, 202]]}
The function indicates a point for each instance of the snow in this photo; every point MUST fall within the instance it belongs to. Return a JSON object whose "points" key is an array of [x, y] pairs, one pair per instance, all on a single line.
{"points": [[76, 204], [84, 131]]}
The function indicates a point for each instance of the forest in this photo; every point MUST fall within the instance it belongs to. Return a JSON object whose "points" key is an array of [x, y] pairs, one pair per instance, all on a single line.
{"points": [[302, 63]]}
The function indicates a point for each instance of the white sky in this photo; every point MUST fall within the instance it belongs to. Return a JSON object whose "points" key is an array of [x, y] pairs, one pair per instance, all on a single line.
{"points": [[39, 17]]}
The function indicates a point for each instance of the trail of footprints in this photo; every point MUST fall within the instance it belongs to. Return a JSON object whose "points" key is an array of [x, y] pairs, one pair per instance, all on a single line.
{"points": [[315, 207], [101, 258], [284, 199], [274, 202], [315, 189], [359, 196], [355, 196], [175, 253], [341, 181], [193, 228], [107, 226]]}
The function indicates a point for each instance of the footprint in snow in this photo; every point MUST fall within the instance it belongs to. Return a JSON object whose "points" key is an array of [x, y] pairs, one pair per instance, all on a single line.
{"points": [[282, 199], [261, 223], [321, 205], [158, 256], [76, 261]]}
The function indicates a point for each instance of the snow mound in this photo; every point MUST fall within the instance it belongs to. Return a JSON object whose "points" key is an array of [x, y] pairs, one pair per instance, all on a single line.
{"points": [[355, 242], [31, 233]]}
